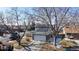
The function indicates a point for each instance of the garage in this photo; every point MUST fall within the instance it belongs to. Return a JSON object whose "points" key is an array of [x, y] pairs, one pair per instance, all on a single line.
{"points": [[40, 37]]}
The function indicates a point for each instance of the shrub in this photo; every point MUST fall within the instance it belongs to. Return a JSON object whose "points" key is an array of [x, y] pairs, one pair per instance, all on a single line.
{"points": [[68, 43]]}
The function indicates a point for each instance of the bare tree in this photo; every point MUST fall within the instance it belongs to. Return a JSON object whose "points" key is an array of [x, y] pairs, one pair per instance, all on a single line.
{"points": [[3, 22], [49, 14], [55, 17]]}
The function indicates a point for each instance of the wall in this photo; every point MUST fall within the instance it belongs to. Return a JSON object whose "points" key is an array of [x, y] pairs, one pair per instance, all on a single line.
{"points": [[74, 35], [39, 37]]}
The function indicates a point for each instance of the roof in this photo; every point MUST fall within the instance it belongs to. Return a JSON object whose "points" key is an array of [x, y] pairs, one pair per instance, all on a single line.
{"points": [[42, 26], [71, 29], [41, 33]]}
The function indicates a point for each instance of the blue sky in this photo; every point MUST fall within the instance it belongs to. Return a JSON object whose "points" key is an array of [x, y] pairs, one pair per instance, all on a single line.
{"points": [[6, 8], [3, 9]]}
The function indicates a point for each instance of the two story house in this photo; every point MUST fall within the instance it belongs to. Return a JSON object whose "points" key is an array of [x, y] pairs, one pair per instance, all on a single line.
{"points": [[42, 32]]}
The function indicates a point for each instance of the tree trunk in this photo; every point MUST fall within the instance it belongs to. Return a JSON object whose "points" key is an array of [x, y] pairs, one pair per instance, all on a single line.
{"points": [[55, 41], [1, 33]]}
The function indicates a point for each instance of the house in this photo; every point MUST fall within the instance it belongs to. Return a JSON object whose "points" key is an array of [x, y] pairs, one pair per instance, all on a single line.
{"points": [[71, 32], [42, 32], [41, 36]]}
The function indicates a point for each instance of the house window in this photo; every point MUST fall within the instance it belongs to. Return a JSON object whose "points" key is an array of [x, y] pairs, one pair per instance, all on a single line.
{"points": [[70, 36]]}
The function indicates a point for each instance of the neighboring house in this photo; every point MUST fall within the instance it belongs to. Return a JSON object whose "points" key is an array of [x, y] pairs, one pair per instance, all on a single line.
{"points": [[71, 32], [19, 28], [42, 32], [68, 33]]}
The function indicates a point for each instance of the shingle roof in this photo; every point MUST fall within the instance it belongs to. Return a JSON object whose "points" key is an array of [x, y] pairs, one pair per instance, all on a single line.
{"points": [[71, 29], [41, 26]]}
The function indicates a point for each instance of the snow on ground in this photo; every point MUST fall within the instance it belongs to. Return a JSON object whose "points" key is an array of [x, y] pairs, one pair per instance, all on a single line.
{"points": [[34, 46], [4, 38]]}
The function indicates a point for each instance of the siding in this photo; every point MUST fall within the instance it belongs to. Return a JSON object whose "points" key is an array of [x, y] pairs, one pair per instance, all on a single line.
{"points": [[39, 37]]}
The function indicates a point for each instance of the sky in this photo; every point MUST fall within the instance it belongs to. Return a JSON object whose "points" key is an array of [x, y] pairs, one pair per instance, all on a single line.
{"points": [[3, 9], [6, 8]]}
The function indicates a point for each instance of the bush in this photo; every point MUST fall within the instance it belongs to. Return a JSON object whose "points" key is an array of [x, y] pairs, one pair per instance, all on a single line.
{"points": [[26, 40], [68, 43]]}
